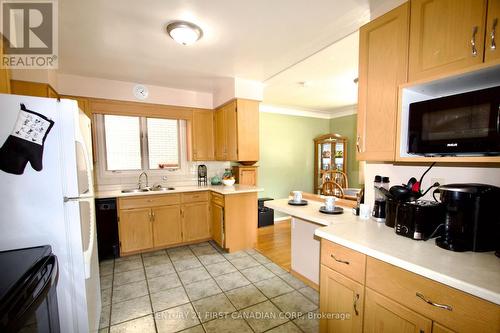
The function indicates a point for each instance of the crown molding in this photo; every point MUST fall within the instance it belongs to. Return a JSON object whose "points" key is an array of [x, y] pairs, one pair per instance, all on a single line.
{"points": [[301, 112]]}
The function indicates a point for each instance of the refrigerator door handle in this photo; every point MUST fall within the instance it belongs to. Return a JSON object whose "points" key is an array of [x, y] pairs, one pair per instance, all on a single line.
{"points": [[88, 164], [83, 197]]}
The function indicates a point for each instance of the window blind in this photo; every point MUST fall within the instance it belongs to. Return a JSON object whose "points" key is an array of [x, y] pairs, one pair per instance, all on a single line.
{"points": [[163, 143], [123, 142]]}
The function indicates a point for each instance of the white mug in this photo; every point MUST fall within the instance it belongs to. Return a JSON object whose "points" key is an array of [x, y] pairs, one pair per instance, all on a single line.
{"points": [[364, 211], [329, 203], [297, 196]]}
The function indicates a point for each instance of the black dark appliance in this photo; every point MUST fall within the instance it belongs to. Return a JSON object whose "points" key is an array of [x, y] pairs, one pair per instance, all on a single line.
{"points": [[472, 222], [107, 228], [462, 124], [417, 219], [266, 214], [28, 298], [202, 174]]}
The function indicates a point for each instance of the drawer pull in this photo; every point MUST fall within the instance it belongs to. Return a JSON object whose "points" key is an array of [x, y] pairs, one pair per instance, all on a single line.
{"points": [[339, 260], [428, 301], [493, 44], [473, 41], [356, 298]]}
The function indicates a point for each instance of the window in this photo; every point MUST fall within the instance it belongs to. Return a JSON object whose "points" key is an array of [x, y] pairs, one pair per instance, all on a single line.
{"points": [[163, 143], [139, 143], [123, 143]]}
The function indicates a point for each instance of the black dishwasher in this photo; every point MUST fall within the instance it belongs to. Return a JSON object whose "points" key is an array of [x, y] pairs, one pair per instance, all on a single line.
{"points": [[107, 228], [266, 215]]}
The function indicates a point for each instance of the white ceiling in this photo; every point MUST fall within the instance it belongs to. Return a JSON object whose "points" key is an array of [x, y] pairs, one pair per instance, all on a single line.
{"points": [[327, 76], [125, 39]]}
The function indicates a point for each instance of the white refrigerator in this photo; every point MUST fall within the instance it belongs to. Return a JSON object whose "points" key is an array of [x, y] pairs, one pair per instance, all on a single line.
{"points": [[56, 206]]}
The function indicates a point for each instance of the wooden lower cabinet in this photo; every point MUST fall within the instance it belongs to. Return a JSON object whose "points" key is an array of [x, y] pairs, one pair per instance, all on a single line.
{"points": [[437, 328], [195, 221], [217, 221], [389, 299], [167, 227], [384, 315], [135, 230], [341, 300]]}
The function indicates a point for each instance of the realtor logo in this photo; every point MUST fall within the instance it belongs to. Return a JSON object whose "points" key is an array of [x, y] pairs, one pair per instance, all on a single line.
{"points": [[30, 32]]}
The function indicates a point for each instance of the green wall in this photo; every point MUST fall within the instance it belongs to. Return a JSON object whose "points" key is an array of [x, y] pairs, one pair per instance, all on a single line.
{"points": [[287, 153], [346, 126]]}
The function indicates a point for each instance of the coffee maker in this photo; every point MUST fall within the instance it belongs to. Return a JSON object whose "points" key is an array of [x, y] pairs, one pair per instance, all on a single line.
{"points": [[472, 222]]}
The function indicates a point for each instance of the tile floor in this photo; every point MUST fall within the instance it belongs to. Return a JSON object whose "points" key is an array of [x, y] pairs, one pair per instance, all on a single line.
{"points": [[199, 288]]}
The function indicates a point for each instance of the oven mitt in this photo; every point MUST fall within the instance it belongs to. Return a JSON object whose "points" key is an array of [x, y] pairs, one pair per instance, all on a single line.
{"points": [[25, 143]]}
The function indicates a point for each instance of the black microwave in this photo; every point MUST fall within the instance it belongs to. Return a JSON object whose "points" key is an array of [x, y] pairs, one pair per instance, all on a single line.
{"points": [[462, 124]]}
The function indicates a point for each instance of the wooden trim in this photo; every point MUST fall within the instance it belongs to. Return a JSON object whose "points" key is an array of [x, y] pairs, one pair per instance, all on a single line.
{"points": [[126, 108], [31, 88]]}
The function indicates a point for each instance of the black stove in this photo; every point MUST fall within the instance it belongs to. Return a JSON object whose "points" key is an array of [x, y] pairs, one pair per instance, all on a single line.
{"points": [[28, 297]]}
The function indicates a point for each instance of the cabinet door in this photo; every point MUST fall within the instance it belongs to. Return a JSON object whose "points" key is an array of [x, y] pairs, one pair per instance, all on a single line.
{"points": [[220, 135], [491, 51], [4, 72], [203, 135], [231, 131], [167, 228], [135, 229], [195, 221], [248, 130], [385, 315], [217, 216], [442, 34], [340, 296], [383, 54], [248, 177]]}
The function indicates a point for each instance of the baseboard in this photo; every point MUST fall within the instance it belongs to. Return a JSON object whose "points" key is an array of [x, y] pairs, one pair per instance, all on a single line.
{"points": [[283, 219], [305, 280]]}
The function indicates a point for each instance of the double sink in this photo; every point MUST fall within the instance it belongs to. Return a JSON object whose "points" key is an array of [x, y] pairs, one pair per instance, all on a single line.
{"points": [[148, 189]]}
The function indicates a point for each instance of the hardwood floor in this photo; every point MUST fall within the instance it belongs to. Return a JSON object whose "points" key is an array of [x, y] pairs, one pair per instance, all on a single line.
{"points": [[274, 242]]}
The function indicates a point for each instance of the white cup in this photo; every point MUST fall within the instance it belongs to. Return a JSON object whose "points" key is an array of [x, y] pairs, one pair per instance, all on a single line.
{"points": [[329, 203], [364, 211], [297, 196]]}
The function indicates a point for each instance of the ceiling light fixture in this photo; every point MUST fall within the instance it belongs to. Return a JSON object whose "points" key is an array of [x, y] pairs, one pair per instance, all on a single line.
{"points": [[183, 32]]}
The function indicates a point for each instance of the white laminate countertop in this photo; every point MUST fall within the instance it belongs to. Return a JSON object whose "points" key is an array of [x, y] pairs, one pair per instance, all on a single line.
{"points": [[472, 272], [225, 190]]}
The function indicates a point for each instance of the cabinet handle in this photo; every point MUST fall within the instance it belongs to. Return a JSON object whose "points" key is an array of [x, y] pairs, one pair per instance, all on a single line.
{"points": [[428, 301], [339, 260], [150, 216], [473, 41], [357, 144], [355, 305], [153, 215], [493, 44]]}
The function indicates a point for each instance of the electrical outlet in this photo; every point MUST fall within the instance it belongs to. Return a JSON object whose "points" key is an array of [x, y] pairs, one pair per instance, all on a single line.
{"points": [[441, 181]]}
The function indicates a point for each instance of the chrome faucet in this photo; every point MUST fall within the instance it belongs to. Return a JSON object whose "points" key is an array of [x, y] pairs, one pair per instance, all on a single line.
{"points": [[140, 184]]}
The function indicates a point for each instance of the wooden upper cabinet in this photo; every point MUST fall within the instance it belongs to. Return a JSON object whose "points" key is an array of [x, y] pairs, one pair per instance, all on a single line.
{"points": [[383, 54], [340, 295], [203, 135], [248, 130], [384, 315], [237, 131], [491, 49], [231, 131], [4, 72], [245, 175], [195, 221], [445, 35], [220, 135], [29, 88]]}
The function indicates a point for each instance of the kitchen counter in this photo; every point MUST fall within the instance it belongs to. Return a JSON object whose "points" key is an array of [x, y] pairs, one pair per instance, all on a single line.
{"points": [[221, 189], [475, 273]]}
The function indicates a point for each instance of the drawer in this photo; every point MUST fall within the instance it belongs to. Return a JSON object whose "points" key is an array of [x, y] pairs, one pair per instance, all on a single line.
{"points": [[343, 260], [467, 313], [148, 201], [194, 197], [218, 199]]}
